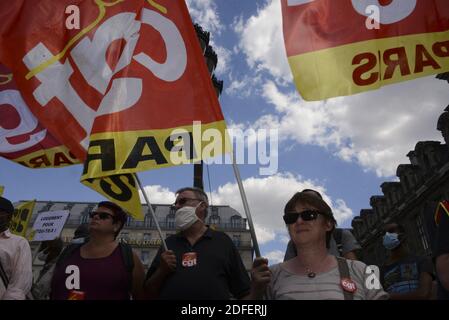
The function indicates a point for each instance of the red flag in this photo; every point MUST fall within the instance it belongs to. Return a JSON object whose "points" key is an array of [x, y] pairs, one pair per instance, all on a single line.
{"points": [[22, 138], [122, 92], [345, 47]]}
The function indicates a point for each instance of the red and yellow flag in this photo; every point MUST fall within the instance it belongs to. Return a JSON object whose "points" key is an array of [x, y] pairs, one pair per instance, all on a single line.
{"points": [[22, 138], [122, 92], [338, 48]]}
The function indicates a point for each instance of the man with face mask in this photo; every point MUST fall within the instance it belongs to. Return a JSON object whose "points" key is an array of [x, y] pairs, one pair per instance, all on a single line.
{"points": [[201, 263], [15, 258], [404, 276]]}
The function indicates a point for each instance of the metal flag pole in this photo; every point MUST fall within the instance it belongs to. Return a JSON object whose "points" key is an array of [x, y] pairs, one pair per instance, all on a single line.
{"points": [[245, 205], [153, 215]]}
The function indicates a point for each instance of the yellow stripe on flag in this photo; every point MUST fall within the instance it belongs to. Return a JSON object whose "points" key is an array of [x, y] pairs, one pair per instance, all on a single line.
{"points": [[355, 67], [2, 188], [133, 151]]}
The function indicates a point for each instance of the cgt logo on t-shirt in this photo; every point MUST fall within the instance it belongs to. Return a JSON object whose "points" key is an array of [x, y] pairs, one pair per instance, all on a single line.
{"points": [[189, 259]]}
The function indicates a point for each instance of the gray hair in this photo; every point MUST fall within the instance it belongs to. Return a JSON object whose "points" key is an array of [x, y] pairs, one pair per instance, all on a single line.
{"points": [[199, 193]]}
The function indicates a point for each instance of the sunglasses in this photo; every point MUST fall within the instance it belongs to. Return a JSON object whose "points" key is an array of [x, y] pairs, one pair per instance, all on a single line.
{"points": [[183, 201], [308, 215], [101, 215]]}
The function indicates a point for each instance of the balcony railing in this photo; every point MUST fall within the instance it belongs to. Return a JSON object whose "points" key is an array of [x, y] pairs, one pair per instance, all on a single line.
{"points": [[74, 222], [155, 243]]}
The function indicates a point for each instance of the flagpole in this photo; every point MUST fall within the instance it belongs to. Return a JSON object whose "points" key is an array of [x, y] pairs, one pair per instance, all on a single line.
{"points": [[153, 215], [245, 205]]}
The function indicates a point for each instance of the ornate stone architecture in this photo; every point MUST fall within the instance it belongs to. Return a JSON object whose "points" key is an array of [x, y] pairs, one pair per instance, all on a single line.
{"points": [[411, 200]]}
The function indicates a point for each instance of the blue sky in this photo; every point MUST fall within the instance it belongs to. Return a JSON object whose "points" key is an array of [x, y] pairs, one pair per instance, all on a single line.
{"points": [[344, 147]]}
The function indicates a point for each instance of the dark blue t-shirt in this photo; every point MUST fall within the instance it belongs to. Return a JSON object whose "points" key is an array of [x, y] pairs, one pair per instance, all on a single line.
{"points": [[403, 276], [443, 248]]}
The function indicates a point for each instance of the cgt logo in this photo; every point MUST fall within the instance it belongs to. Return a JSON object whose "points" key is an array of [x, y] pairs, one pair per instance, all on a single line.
{"points": [[24, 127], [89, 57], [389, 12]]}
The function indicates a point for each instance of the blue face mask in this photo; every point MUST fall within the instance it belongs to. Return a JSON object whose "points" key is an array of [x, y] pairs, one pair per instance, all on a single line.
{"points": [[391, 241]]}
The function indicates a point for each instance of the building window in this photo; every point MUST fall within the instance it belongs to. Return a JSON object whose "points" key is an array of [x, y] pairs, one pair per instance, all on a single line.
{"points": [[84, 218], [128, 221], [170, 221], [145, 256], [146, 236], [236, 222], [422, 233], [148, 220], [214, 220], [236, 239]]}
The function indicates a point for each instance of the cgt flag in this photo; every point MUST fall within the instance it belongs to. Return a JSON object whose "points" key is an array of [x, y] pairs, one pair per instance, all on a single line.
{"points": [[122, 92], [2, 189], [21, 218], [22, 138], [338, 48]]}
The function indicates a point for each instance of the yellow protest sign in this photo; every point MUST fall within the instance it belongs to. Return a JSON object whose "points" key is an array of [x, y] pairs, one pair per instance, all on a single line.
{"points": [[21, 218]]}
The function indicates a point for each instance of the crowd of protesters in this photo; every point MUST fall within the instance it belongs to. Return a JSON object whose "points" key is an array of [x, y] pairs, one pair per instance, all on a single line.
{"points": [[203, 263]]}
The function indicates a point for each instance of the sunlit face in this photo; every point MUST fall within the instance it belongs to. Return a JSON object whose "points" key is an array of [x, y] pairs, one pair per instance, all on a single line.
{"points": [[305, 232]]}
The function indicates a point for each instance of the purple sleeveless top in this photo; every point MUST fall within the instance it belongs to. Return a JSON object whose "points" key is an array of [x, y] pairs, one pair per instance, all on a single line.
{"points": [[99, 279]]}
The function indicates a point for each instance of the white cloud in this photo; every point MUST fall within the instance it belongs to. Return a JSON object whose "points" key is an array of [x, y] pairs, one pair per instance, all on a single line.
{"points": [[375, 129], [274, 257], [205, 13], [266, 198], [264, 234], [224, 59], [158, 195], [262, 43], [284, 238]]}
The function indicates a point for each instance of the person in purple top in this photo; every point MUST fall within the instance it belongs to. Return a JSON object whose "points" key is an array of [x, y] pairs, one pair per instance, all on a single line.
{"points": [[101, 268]]}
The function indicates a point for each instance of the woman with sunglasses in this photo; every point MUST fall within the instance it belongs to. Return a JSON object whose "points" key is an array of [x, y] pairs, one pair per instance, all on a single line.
{"points": [[314, 274], [101, 268]]}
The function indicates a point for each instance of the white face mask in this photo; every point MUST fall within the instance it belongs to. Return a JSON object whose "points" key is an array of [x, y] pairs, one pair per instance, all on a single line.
{"points": [[185, 217]]}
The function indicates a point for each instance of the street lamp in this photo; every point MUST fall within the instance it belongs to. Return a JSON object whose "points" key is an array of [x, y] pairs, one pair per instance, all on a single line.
{"points": [[211, 60]]}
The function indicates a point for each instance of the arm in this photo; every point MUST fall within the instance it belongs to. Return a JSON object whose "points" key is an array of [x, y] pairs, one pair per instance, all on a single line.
{"points": [[442, 270], [260, 278], [138, 277], [423, 292], [155, 282], [350, 245], [22, 276]]}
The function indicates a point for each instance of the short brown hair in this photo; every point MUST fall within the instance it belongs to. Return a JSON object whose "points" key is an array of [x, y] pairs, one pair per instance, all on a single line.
{"points": [[316, 202], [119, 214]]}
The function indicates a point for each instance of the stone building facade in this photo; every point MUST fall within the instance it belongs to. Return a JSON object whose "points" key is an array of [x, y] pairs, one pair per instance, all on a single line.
{"points": [[410, 201]]}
